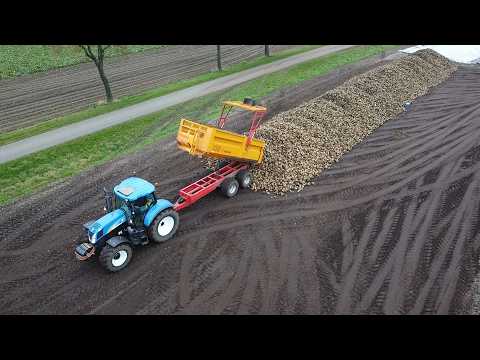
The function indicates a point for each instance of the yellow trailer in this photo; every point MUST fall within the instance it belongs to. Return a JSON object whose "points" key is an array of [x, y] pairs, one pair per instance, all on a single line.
{"points": [[210, 141]]}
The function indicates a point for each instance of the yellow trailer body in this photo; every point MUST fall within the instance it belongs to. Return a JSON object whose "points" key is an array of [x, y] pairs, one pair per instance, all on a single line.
{"points": [[209, 141]]}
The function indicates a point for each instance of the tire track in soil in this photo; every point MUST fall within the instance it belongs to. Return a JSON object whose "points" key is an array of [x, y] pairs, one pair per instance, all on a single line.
{"points": [[374, 234]]}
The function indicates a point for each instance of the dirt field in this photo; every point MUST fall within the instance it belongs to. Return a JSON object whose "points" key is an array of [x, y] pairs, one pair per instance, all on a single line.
{"points": [[392, 228], [29, 99]]}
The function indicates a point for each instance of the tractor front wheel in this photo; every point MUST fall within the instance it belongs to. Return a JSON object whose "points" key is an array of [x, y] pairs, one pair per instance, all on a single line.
{"points": [[164, 226], [115, 258]]}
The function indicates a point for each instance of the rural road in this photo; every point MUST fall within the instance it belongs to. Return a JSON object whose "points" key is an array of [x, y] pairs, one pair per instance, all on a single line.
{"points": [[58, 136]]}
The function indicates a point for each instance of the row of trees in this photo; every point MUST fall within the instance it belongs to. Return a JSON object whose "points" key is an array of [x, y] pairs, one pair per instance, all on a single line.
{"points": [[96, 53]]}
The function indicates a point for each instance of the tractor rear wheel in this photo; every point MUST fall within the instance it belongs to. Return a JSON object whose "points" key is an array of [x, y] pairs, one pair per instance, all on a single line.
{"points": [[229, 187], [244, 178], [115, 258], [164, 226]]}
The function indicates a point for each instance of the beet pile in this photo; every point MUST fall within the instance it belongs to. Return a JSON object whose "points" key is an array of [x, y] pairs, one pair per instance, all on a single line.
{"points": [[303, 141]]}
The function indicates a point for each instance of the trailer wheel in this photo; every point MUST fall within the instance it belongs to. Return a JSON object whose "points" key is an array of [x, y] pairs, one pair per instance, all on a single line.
{"points": [[244, 178], [229, 187], [115, 258], [164, 226]]}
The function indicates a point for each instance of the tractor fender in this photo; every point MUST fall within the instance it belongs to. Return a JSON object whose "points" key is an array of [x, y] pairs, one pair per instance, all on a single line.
{"points": [[159, 206], [117, 240]]}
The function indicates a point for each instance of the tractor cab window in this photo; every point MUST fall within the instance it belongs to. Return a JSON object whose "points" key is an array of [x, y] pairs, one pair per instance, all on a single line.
{"points": [[140, 208], [142, 204], [118, 202]]}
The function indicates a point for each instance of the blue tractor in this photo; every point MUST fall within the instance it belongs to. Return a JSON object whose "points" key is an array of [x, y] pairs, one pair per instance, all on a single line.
{"points": [[134, 216]]}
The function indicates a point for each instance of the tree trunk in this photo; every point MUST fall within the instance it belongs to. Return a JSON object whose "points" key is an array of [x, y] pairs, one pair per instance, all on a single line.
{"points": [[98, 61], [106, 84], [267, 50], [219, 59]]}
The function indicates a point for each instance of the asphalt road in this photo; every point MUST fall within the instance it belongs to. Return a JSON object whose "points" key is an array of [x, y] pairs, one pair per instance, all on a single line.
{"points": [[61, 135]]}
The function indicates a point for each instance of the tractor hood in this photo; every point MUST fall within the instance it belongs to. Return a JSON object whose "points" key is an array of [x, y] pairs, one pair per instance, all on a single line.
{"points": [[105, 225]]}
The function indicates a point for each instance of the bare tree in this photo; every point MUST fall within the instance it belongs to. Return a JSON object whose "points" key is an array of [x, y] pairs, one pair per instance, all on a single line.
{"points": [[97, 58], [219, 59], [267, 50]]}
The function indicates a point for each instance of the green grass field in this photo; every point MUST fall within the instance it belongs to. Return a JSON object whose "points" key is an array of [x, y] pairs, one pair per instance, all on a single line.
{"points": [[31, 173], [18, 60], [19, 134]]}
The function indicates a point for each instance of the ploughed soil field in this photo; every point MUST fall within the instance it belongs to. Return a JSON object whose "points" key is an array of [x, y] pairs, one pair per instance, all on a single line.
{"points": [[29, 99], [392, 228]]}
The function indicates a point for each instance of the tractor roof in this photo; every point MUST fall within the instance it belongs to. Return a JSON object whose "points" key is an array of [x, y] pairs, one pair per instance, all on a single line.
{"points": [[133, 188]]}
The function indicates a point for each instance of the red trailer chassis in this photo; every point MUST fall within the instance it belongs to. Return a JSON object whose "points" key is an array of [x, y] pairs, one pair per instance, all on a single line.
{"points": [[200, 188]]}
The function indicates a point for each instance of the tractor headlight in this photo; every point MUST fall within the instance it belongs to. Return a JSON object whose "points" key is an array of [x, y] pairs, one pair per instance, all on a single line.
{"points": [[93, 238]]}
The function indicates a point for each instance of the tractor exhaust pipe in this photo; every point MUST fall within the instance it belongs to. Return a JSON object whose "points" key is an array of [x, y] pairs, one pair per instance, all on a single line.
{"points": [[108, 201]]}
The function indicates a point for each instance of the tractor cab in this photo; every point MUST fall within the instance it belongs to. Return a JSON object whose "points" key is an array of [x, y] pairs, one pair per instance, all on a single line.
{"points": [[133, 188], [136, 196]]}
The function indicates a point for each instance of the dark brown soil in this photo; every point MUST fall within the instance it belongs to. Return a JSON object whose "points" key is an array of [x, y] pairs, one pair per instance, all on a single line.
{"points": [[29, 99], [391, 228]]}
